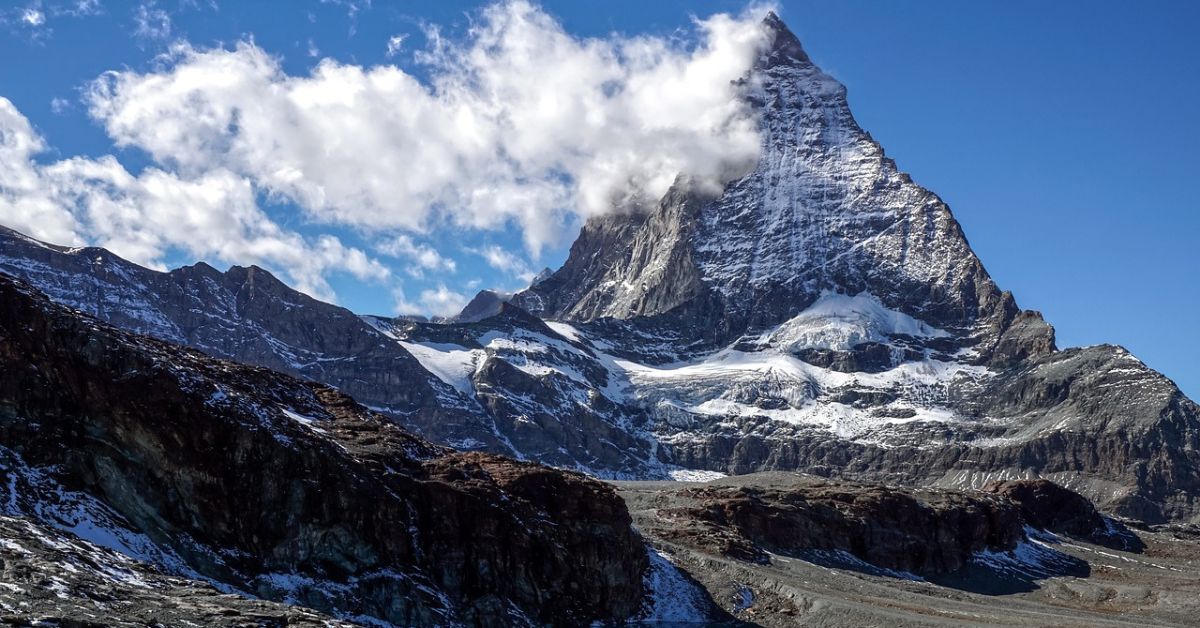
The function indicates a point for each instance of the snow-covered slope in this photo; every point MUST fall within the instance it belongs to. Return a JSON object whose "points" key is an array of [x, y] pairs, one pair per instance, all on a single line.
{"points": [[839, 322]]}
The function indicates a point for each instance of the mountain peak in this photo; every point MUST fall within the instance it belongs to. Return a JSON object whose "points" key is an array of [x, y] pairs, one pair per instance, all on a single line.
{"points": [[785, 47], [486, 304], [823, 210]]}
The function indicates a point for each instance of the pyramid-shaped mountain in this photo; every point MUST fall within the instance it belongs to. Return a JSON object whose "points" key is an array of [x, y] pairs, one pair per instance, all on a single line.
{"points": [[825, 210]]}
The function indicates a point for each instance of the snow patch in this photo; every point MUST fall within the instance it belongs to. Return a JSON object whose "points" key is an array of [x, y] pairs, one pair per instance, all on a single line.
{"points": [[1033, 557], [695, 475], [564, 330], [453, 364], [306, 421], [670, 595], [839, 322]]}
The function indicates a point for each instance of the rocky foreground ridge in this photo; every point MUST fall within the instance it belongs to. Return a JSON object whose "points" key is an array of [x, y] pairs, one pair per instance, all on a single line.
{"points": [[288, 490]]}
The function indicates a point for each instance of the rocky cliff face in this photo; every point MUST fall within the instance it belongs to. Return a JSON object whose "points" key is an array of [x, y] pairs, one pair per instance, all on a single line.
{"points": [[289, 490], [924, 532], [785, 549]]}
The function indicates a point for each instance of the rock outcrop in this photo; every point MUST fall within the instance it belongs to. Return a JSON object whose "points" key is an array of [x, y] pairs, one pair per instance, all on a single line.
{"points": [[1048, 506], [924, 532]]}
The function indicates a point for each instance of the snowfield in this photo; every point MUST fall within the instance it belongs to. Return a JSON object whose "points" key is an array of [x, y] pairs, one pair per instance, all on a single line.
{"points": [[840, 322], [450, 363]]}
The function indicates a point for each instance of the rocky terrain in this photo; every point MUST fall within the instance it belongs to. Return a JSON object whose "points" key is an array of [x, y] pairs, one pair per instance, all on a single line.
{"points": [[54, 578], [286, 490], [243, 314], [785, 549]]}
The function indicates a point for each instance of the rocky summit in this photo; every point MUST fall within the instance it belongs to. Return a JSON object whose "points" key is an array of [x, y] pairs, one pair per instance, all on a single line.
{"points": [[817, 340]]}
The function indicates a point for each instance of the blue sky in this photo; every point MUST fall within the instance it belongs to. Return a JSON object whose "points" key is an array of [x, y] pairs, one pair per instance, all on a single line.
{"points": [[1063, 135]]}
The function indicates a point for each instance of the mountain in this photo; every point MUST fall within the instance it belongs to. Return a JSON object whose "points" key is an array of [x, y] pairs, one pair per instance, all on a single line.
{"points": [[243, 314], [147, 482], [261, 484], [824, 210], [825, 313], [485, 304], [822, 313]]}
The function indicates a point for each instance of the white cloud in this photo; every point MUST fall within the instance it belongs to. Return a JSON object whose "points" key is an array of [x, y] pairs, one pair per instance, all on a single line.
{"points": [[441, 301], [85, 7], [211, 215], [33, 17], [394, 43], [26, 202], [151, 22], [59, 105], [313, 51], [424, 257], [506, 261], [520, 124]]}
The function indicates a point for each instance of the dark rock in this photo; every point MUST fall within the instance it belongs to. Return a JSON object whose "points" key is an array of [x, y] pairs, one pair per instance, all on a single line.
{"points": [[924, 532], [292, 490], [1048, 506]]}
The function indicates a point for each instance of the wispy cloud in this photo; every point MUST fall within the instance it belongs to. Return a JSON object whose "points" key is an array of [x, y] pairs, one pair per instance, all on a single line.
{"points": [[394, 44], [34, 19], [151, 22], [423, 256], [439, 301], [506, 262]]}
